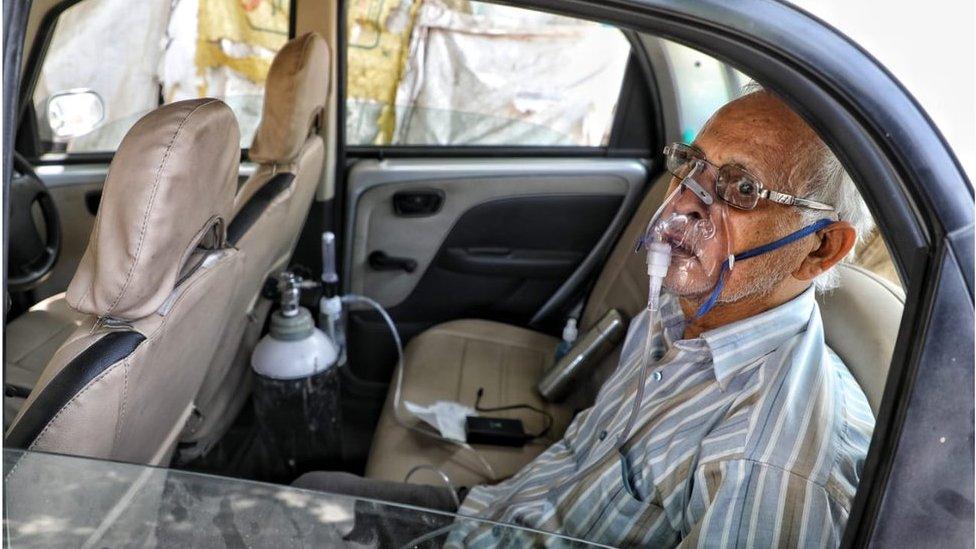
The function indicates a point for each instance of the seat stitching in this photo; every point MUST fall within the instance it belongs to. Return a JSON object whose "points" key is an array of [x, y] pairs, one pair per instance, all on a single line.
{"points": [[91, 383], [503, 374], [125, 393], [460, 377], [93, 248], [70, 402], [469, 336], [152, 201]]}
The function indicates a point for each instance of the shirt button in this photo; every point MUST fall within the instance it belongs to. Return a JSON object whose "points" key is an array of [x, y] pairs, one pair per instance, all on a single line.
{"points": [[602, 435], [658, 375]]}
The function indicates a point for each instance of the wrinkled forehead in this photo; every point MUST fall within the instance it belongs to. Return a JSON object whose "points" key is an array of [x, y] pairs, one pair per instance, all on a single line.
{"points": [[762, 134]]}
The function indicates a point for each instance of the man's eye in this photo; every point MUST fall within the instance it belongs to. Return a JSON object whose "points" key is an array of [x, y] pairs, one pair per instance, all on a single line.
{"points": [[746, 188]]}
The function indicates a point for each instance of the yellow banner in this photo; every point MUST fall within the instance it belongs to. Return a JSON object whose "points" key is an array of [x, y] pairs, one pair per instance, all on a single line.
{"points": [[379, 35], [261, 23]]}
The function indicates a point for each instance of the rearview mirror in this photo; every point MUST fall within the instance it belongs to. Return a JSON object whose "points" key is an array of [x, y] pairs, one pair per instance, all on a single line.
{"points": [[74, 113]]}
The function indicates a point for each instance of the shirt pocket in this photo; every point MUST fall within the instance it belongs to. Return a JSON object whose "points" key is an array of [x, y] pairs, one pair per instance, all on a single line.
{"points": [[619, 518]]}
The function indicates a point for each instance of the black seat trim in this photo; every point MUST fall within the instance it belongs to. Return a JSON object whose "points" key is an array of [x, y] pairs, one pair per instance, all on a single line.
{"points": [[257, 205], [85, 367]]}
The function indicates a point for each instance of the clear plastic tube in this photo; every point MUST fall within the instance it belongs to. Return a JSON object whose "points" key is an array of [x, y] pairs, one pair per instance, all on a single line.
{"points": [[441, 474], [430, 535], [398, 389], [329, 273], [644, 367]]}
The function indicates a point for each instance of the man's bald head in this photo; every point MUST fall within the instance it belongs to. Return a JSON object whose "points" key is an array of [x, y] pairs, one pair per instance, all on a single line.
{"points": [[784, 150]]}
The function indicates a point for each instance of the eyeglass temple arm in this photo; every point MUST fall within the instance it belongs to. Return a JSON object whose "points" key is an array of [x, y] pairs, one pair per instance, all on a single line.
{"points": [[791, 200]]}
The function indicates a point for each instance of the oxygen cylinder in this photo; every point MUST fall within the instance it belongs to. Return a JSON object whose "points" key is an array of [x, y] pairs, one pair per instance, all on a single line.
{"points": [[296, 393]]}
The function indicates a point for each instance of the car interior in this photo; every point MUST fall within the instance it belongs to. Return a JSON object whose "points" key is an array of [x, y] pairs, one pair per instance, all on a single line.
{"points": [[480, 223]]}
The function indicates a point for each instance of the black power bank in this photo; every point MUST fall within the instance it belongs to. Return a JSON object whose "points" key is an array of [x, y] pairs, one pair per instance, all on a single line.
{"points": [[497, 431]]}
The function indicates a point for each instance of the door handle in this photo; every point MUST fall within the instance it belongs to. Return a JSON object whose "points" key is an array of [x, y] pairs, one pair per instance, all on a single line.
{"points": [[379, 261], [418, 202]]}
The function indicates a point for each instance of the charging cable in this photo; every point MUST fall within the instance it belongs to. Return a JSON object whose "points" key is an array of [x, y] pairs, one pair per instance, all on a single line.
{"points": [[528, 437], [398, 390]]}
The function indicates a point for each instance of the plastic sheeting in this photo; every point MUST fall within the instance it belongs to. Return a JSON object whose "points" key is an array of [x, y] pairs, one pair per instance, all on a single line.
{"points": [[111, 47], [223, 48], [131, 53], [495, 75], [378, 37]]}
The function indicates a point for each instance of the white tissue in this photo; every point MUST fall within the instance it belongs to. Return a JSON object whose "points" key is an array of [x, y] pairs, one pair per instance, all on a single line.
{"points": [[445, 416]]}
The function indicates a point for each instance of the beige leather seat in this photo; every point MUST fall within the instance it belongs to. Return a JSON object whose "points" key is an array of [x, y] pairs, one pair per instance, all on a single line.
{"points": [[31, 341], [270, 211], [150, 293], [450, 361], [861, 320]]}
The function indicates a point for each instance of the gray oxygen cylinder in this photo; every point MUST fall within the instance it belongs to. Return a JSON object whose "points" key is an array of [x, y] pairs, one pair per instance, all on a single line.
{"points": [[296, 392]]}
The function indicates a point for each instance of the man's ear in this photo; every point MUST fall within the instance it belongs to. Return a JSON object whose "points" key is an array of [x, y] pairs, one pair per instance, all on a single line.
{"points": [[836, 242]]}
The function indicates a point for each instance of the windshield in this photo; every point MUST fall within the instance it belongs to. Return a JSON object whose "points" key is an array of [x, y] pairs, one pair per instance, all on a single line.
{"points": [[62, 501]]}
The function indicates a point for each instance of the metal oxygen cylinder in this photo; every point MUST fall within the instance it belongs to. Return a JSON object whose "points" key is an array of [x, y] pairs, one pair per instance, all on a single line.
{"points": [[296, 392]]}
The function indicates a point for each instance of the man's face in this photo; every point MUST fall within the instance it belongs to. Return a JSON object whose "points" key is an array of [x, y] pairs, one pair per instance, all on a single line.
{"points": [[762, 135]]}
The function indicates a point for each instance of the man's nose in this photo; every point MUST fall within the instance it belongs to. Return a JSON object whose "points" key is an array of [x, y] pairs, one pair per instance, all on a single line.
{"points": [[689, 203]]}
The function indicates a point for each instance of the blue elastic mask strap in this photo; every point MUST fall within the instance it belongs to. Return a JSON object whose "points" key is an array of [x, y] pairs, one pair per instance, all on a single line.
{"points": [[759, 250]]}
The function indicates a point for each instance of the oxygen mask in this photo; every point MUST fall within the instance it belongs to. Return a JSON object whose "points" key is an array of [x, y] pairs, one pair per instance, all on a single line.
{"points": [[687, 240], [689, 246]]}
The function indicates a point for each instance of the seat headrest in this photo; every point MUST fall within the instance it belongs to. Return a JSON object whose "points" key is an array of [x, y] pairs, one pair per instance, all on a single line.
{"points": [[170, 183], [861, 319], [295, 94]]}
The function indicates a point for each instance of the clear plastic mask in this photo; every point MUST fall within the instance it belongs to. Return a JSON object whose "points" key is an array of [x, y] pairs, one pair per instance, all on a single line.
{"points": [[687, 239]]}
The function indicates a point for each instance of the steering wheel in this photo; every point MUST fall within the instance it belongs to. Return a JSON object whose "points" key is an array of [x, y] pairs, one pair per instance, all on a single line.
{"points": [[32, 253]]}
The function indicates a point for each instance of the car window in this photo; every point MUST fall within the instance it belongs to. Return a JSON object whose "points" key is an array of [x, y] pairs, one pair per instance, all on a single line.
{"points": [[702, 84], [111, 61], [111, 504], [459, 72]]}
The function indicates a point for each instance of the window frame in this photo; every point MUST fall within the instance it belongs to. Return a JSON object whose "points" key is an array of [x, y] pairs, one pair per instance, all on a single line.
{"points": [[646, 146], [27, 139]]}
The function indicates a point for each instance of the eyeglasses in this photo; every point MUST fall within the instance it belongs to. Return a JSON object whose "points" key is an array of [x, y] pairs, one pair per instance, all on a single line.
{"points": [[734, 184]]}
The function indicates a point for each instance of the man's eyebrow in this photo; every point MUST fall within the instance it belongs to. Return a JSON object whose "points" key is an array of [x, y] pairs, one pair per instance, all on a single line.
{"points": [[733, 159], [739, 161]]}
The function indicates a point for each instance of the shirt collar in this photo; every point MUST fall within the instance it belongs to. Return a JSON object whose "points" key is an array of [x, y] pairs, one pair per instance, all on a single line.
{"points": [[672, 319], [740, 343]]}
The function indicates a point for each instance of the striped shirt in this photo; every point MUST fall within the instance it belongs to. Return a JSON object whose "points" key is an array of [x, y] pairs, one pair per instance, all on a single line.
{"points": [[751, 435]]}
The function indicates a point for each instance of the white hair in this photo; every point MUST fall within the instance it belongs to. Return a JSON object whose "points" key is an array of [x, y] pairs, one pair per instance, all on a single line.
{"points": [[832, 185]]}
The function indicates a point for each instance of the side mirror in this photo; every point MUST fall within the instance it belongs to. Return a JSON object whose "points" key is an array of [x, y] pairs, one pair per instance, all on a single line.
{"points": [[74, 113]]}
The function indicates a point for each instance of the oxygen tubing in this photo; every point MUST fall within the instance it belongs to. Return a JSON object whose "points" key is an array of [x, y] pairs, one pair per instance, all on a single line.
{"points": [[398, 389]]}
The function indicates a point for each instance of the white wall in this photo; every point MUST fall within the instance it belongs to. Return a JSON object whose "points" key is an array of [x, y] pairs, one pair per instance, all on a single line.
{"points": [[929, 46]]}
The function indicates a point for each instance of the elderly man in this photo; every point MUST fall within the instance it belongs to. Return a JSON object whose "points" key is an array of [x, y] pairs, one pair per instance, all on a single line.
{"points": [[728, 421]]}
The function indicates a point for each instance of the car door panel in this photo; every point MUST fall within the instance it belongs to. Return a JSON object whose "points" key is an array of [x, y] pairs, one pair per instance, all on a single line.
{"points": [[508, 236], [502, 259], [373, 224], [75, 189]]}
